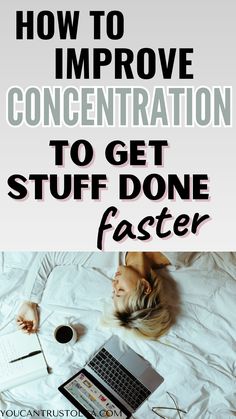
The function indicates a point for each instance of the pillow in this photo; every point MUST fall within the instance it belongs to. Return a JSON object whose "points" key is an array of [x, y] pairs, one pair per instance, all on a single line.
{"points": [[20, 260], [77, 287]]}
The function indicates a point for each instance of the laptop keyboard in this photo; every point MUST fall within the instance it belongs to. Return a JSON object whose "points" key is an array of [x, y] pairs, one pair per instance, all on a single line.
{"points": [[119, 378]]}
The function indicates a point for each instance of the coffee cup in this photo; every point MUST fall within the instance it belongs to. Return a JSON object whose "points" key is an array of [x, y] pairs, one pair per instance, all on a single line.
{"points": [[65, 334]]}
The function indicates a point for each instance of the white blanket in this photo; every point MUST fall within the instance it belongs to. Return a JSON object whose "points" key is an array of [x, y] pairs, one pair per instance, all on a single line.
{"points": [[196, 358]]}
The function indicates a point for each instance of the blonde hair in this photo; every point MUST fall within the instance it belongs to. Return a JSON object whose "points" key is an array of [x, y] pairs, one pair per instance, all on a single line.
{"points": [[149, 315]]}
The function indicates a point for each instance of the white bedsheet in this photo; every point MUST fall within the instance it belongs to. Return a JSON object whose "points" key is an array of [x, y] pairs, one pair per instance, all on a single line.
{"points": [[197, 357]]}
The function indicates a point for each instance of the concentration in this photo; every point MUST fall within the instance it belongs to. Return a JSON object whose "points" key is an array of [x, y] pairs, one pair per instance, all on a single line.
{"points": [[119, 106]]}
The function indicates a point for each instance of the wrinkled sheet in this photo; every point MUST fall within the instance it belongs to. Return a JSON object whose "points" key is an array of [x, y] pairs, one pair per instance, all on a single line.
{"points": [[197, 357]]}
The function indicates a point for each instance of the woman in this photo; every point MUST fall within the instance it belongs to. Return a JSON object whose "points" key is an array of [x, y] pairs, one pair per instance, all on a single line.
{"points": [[141, 299]]}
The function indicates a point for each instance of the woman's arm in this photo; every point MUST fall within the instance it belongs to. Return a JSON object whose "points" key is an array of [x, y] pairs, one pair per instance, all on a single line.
{"points": [[157, 259], [144, 261]]}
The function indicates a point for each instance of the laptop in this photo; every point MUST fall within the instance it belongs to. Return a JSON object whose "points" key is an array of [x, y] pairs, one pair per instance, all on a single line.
{"points": [[115, 382]]}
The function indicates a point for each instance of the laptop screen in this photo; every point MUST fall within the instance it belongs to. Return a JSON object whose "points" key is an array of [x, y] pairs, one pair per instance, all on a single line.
{"points": [[91, 398]]}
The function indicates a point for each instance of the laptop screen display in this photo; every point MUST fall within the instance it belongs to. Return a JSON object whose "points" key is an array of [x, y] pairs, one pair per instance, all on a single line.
{"points": [[83, 390]]}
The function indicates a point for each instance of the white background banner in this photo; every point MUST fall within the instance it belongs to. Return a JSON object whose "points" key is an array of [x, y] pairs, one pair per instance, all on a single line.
{"points": [[162, 44]]}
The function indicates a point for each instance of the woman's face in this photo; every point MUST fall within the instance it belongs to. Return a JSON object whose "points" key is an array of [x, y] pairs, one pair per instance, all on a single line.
{"points": [[125, 281]]}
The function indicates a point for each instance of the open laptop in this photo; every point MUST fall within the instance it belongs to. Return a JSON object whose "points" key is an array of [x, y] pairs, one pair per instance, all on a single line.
{"points": [[115, 382]]}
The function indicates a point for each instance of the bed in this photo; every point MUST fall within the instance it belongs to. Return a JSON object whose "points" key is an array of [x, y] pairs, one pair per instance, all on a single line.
{"points": [[197, 357]]}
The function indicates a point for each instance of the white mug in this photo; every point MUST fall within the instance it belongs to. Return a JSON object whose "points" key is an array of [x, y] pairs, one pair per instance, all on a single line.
{"points": [[65, 334]]}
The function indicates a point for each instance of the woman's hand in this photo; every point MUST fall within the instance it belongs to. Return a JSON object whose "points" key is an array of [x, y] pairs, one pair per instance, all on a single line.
{"points": [[28, 317]]}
